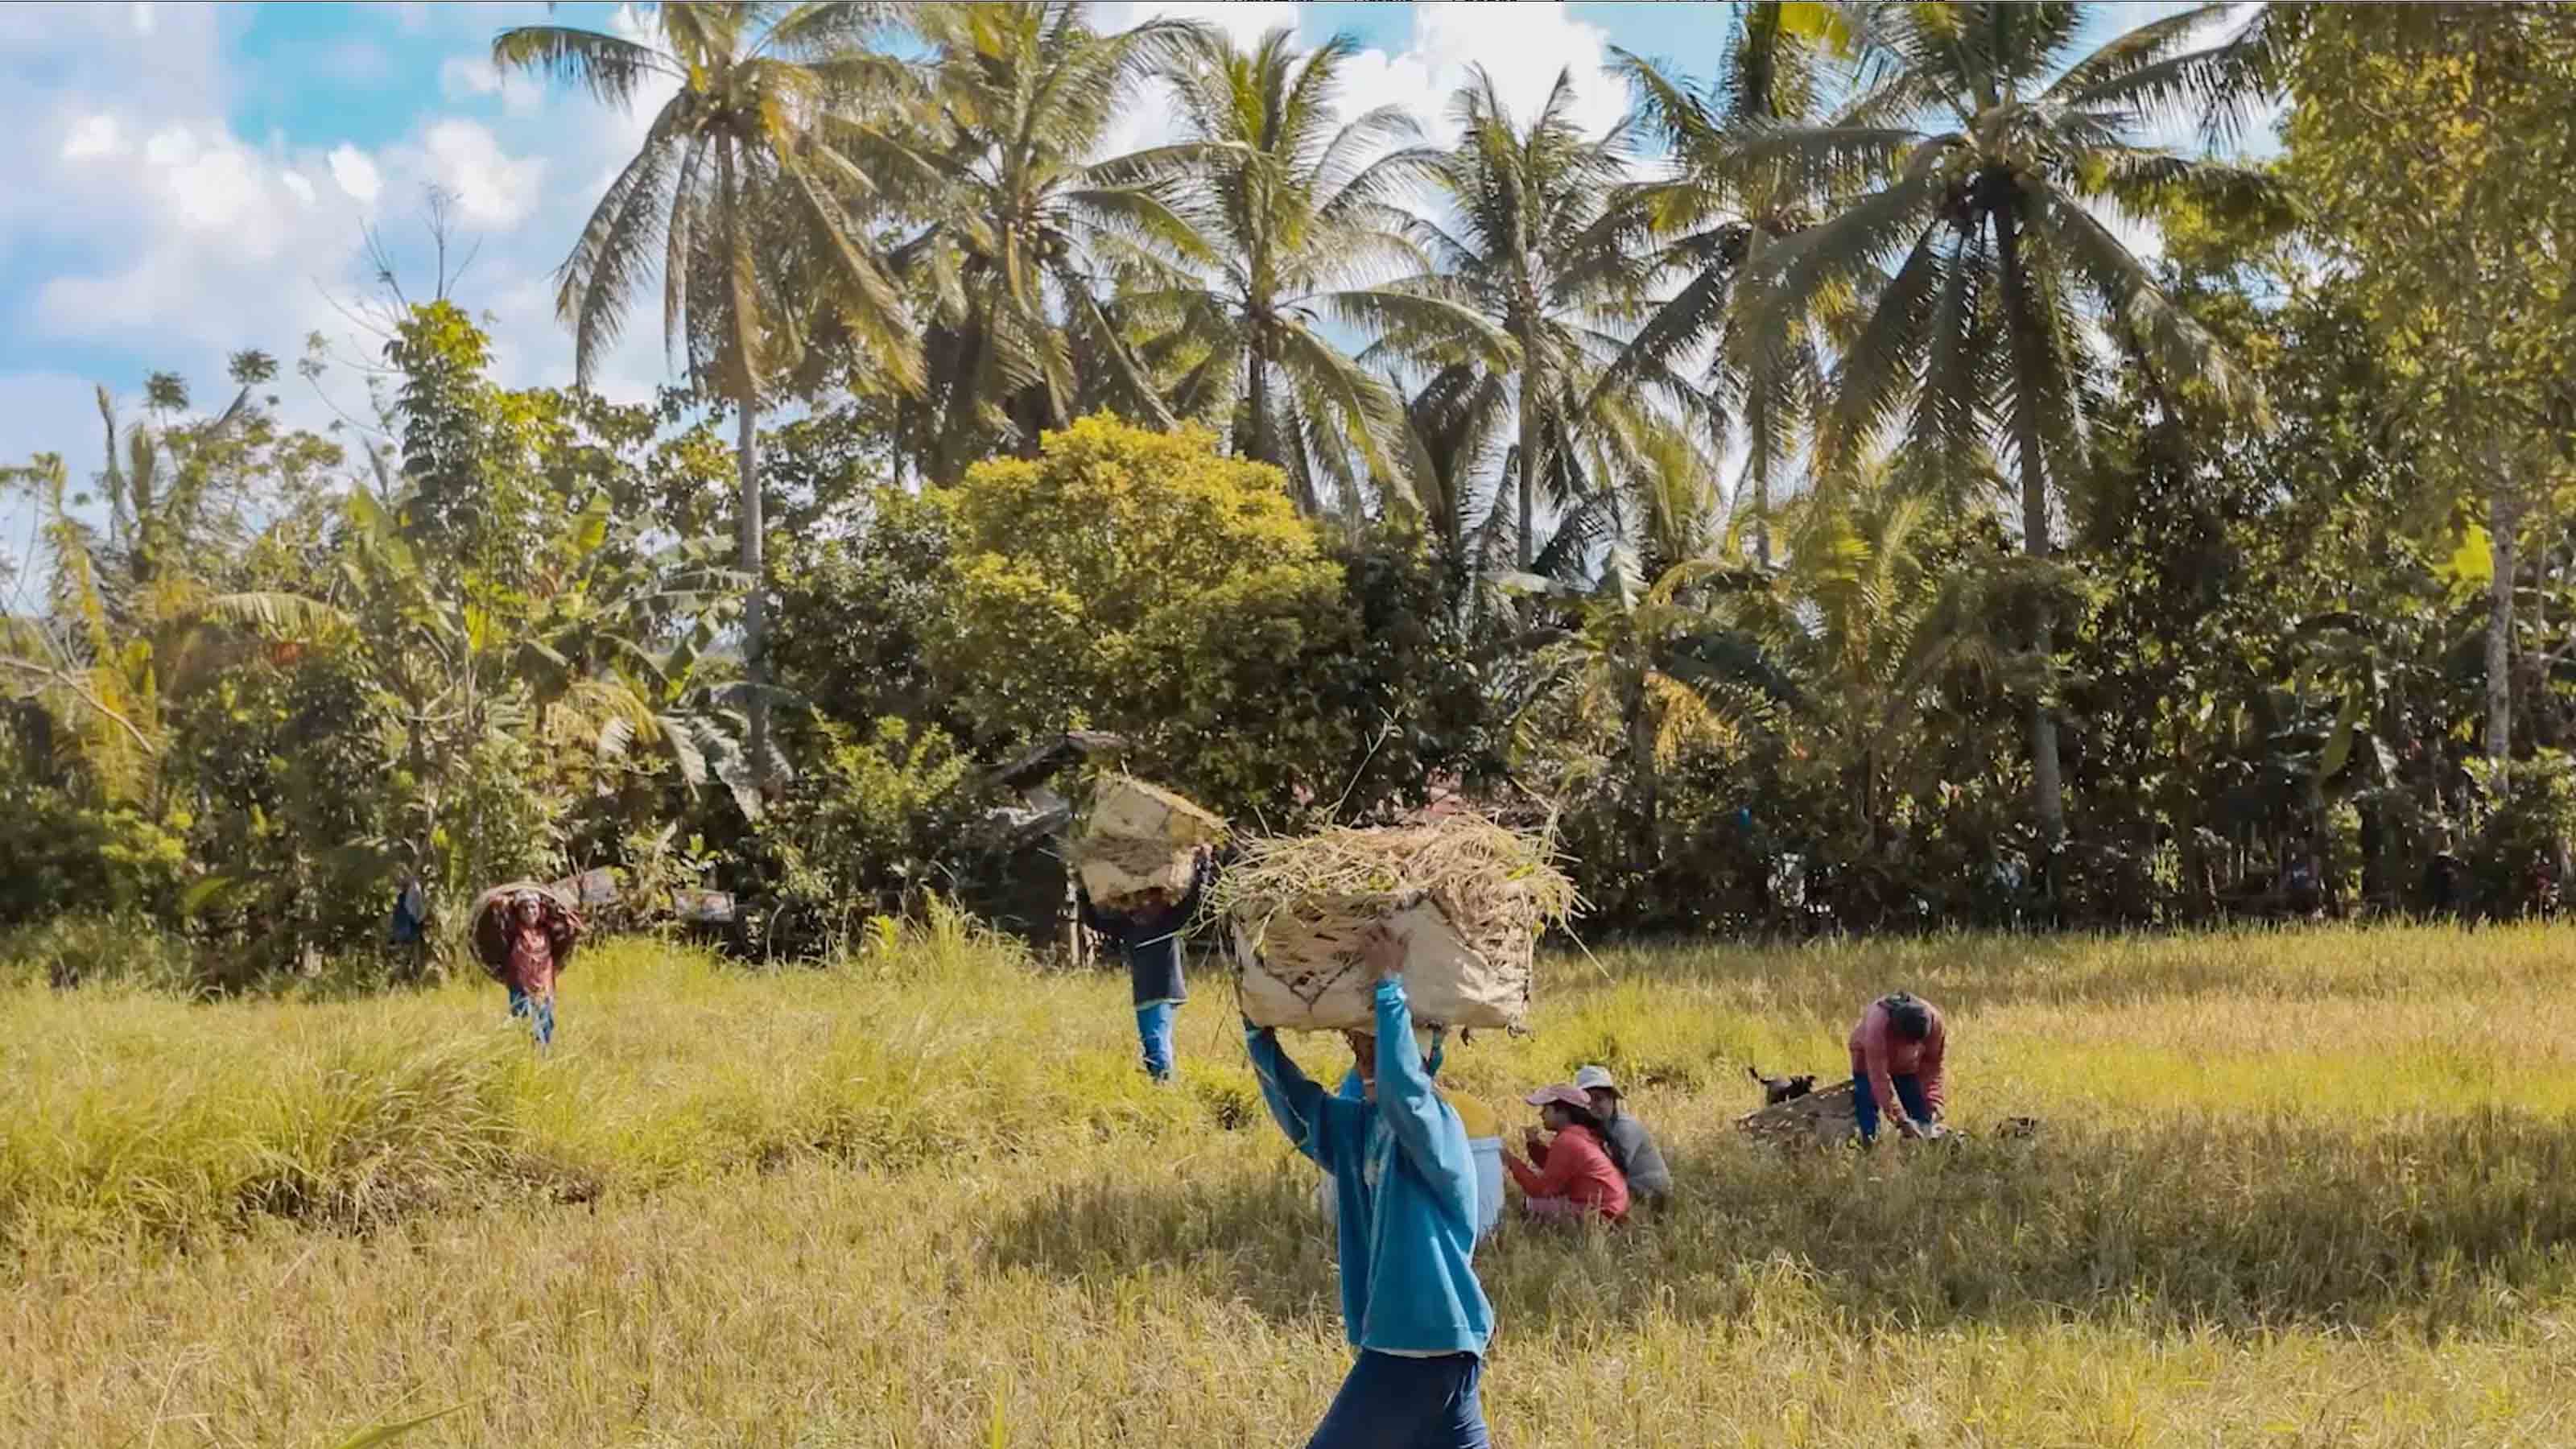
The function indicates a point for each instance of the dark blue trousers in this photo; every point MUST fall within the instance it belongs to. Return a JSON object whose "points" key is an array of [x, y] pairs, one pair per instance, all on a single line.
{"points": [[1407, 1403], [1909, 1091]]}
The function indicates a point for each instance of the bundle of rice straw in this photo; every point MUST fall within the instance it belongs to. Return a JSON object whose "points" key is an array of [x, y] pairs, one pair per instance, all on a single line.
{"points": [[1467, 897], [1822, 1118], [1138, 837]]}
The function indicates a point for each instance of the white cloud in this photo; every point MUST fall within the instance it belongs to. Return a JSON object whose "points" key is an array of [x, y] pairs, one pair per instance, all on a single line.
{"points": [[492, 188], [146, 17], [1523, 46], [467, 77], [294, 181], [357, 176], [93, 136]]}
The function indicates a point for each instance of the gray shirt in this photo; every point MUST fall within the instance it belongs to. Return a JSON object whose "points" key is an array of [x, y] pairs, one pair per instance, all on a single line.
{"points": [[1647, 1175]]}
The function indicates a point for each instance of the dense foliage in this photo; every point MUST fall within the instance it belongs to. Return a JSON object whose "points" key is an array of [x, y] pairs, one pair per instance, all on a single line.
{"points": [[1810, 496]]}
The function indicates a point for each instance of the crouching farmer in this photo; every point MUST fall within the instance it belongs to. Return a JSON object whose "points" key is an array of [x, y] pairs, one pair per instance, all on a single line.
{"points": [[1404, 1185], [1896, 1052], [1149, 935]]}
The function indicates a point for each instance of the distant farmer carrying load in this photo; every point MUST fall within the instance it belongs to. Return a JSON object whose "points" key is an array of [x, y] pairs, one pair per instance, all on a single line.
{"points": [[1142, 862], [1465, 897], [1896, 1055], [1404, 1183], [524, 934]]}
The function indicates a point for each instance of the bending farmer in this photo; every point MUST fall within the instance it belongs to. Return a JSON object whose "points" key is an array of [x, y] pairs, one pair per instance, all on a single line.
{"points": [[1149, 936], [1896, 1054], [1405, 1188]]}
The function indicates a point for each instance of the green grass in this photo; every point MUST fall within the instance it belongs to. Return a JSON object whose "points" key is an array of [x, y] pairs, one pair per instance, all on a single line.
{"points": [[2312, 1189]]}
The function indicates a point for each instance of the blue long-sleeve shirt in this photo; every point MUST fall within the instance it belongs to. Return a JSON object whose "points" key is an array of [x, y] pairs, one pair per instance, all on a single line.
{"points": [[1405, 1185]]}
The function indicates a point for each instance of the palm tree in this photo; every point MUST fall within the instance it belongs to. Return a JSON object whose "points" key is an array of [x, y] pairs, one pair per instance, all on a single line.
{"points": [[743, 197], [1023, 239], [1523, 233], [1302, 215], [1717, 225], [1982, 156]]}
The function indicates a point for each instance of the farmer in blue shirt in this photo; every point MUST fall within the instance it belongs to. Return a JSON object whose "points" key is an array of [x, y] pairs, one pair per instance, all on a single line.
{"points": [[1149, 935], [1405, 1184]]}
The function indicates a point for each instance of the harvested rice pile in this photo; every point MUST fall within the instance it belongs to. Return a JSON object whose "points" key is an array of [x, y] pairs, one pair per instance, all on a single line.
{"points": [[1137, 837], [1819, 1119], [1467, 897]]}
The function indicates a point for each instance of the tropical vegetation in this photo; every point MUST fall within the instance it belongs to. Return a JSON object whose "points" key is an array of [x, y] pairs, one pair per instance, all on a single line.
{"points": [[1926, 465]]}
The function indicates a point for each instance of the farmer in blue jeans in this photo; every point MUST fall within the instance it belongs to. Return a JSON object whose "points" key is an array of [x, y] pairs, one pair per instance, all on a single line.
{"points": [[1405, 1184], [1149, 936]]}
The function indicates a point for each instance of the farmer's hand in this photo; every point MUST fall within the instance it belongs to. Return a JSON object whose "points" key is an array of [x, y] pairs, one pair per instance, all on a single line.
{"points": [[1907, 1128], [1535, 1142], [1382, 953]]}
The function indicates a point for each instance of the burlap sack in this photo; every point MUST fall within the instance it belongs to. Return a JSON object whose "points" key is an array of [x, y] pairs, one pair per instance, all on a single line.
{"points": [[1138, 837], [1300, 969]]}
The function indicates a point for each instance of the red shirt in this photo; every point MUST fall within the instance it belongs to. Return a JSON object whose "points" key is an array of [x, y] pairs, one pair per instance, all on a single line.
{"points": [[532, 959], [1579, 1170], [1878, 1053]]}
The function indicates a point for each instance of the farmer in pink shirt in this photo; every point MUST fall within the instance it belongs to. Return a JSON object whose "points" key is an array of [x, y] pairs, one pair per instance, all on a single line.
{"points": [[1896, 1067]]}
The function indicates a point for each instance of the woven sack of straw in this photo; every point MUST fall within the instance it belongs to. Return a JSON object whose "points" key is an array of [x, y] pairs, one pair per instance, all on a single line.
{"points": [[1300, 968], [1139, 837]]}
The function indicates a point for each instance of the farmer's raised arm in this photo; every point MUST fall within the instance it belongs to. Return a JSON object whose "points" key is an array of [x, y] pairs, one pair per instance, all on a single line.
{"points": [[1425, 1128], [1296, 1103]]}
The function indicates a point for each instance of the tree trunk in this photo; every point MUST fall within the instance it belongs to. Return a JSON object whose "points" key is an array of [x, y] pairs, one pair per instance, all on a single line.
{"points": [[1761, 505], [755, 612], [1529, 464], [2046, 788], [2503, 517]]}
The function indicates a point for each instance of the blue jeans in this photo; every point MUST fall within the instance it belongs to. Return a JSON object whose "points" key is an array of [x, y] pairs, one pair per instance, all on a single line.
{"points": [[1909, 1092], [539, 1011], [1407, 1403], [1154, 1037]]}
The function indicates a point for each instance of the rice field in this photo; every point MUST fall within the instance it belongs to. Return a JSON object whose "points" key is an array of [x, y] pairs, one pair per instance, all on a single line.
{"points": [[2289, 1189]]}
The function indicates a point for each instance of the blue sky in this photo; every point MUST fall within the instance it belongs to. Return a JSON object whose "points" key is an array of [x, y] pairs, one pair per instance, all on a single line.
{"points": [[191, 179]]}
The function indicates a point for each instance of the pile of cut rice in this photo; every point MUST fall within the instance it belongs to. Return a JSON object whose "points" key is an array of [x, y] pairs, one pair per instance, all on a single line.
{"points": [[1468, 897]]}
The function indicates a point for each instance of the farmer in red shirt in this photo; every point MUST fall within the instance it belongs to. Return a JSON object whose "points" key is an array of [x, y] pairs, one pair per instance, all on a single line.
{"points": [[534, 935], [1896, 1054], [1581, 1177]]}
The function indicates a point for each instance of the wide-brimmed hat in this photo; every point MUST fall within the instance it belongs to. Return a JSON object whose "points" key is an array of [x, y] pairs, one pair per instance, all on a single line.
{"points": [[1598, 1079], [1563, 1094]]}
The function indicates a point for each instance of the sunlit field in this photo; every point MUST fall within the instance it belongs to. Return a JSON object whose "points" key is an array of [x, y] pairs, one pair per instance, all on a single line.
{"points": [[2308, 1189]]}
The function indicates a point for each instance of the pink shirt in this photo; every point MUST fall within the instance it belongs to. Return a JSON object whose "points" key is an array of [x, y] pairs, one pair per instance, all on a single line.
{"points": [[532, 960], [1878, 1054]]}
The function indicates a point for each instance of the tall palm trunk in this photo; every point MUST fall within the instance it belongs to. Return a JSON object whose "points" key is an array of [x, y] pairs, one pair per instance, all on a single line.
{"points": [[755, 610], [2047, 789], [2504, 517], [751, 530], [1529, 459]]}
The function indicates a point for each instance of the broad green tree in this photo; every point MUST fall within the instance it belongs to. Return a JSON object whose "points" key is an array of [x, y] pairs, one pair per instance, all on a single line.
{"points": [[2431, 148], [744, 202], [1138, 581]]}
